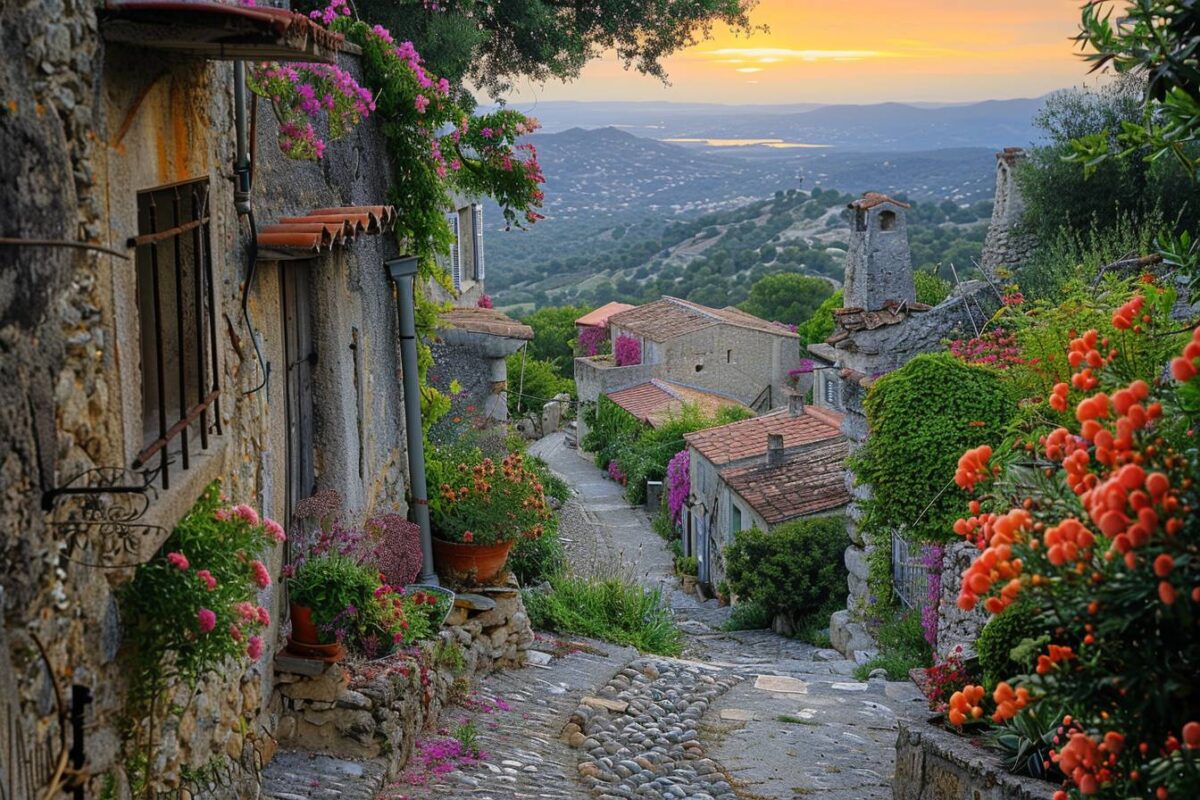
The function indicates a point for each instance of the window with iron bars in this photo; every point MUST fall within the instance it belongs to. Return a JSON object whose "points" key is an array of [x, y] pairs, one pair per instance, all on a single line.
{"points": [[177, 314]]}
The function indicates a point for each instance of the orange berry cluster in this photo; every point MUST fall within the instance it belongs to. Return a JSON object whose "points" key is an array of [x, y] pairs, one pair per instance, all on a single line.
{"points": [[973, 467], [1089, 763], [996, 563], [1054, 654], [1083, 352], [1009, 701], [965, 705], [1183, 368], [1130, 315]]}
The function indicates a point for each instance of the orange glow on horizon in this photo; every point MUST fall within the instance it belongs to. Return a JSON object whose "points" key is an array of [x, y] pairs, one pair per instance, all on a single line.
{"points": [[866, 52]]}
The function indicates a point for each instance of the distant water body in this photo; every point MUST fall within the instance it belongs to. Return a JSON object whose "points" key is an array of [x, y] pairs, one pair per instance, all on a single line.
{"points": [[775, 143]]}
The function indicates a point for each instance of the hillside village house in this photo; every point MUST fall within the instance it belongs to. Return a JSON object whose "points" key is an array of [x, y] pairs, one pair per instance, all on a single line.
{"points": [[655, 402], [723, 351], [174, 348], [759, 473]]}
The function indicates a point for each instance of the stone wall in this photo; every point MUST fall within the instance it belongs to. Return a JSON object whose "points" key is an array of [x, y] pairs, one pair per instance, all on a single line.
{"points": [[90, 126], [955, 626], [934, 764], [377, 710]]}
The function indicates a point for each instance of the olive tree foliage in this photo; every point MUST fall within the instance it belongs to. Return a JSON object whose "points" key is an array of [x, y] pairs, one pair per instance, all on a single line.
{"points": [[492, 43], [1060, 195], [1158, 41]]}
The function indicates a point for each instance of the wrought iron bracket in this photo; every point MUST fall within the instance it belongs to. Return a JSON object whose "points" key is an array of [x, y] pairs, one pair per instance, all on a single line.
{"points": [[99, 513]]}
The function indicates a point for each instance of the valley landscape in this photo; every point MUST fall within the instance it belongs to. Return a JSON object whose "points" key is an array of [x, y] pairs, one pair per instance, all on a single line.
{"points": [[700, 200]]}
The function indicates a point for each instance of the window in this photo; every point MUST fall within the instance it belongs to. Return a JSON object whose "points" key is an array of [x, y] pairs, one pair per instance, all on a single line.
{"points": [[735, 518], [830, 392], [466, 254], [178, 329], [887, 220], [728, 356]]}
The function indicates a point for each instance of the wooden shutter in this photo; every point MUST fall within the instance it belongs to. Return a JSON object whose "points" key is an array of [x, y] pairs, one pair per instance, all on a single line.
{"points": [[455, 252], [477, 225]]}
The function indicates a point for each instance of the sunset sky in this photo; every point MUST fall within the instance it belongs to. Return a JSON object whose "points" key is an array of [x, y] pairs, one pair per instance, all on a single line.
{"points": [[861, 51]]}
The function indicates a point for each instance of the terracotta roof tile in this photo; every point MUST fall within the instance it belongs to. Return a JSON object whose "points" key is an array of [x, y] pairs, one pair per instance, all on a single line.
{"points": [[656, 401], [484, 320], [872, 199], [322, 229], [599, 317], [670, 317], [810, 482], [738, 441]]}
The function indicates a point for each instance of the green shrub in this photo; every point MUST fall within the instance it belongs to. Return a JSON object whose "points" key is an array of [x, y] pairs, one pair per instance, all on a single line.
{"points": [[931, 289], [792, 570], [819, 326], [902, 648], [1003, 635], [923, 417], [688, 565], [749, 616], [535, 560], [532, 383], [611, 609]]}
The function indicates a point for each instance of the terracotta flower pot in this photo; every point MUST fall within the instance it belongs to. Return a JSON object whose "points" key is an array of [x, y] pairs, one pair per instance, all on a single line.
{"points": [[304, 640], [479, 563], [689, 583]]}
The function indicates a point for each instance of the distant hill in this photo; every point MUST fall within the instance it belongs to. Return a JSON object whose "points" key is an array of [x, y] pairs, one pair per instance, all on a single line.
{"points": [[880, 126]]}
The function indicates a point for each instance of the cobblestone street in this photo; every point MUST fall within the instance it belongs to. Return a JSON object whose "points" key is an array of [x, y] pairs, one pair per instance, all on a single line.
{"points": [[743, 714]]}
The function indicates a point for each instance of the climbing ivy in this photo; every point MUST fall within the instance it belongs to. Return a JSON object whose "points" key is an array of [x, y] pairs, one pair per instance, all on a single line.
{"points": [[922, 417]]}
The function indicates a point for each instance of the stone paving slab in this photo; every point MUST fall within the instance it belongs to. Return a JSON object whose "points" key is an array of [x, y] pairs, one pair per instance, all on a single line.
{"points": [[296, 775]]}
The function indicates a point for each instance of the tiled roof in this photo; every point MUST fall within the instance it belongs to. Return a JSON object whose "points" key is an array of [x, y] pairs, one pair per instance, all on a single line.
{"points": [[599, 317], [323, 229], [748, 438], [670, 317], [484, 320], [219, 30], [655, 401], [872, 199], [810, 482]]}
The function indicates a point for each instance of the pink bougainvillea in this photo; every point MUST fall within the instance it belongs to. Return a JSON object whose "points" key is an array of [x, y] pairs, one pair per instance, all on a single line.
{"points": [[485, 301], [996, 348], [679, 484], [592, 339], [628, 351]]}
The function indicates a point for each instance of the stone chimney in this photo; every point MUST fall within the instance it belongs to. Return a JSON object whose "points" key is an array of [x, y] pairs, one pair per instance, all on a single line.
{"points": [[775, 450], [1006, 247], [878, 263], [796, 404]]}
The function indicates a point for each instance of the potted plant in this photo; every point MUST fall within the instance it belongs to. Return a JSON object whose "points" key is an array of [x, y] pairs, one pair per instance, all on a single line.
{"points": [[480, 510], [688, 568], [334, 601]]}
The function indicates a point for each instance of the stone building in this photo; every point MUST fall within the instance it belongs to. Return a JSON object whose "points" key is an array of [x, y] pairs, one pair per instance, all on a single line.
{"points": [[151, 344], [759, 473], [1007, 246], [472, 348], [655, 402], [880, 328], [720, 350]]}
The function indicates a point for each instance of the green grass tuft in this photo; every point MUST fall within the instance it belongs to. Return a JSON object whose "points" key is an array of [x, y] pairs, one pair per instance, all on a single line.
{"points": [[611, 609]]}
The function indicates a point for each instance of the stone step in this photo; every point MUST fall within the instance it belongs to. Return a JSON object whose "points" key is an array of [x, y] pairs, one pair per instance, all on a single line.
{"points": [[298, 775]]}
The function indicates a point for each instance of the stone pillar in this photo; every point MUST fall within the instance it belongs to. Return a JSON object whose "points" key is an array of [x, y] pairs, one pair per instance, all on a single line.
{"points": [[495, 405], [955, 626], [1006, 247]]}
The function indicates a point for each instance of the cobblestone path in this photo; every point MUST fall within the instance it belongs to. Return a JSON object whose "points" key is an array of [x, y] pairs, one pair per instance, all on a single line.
{"points": [[791, 722]]}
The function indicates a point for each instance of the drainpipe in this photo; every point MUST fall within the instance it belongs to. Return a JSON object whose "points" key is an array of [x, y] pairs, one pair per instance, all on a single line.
{"points": [[403, 271], [241, 165]]}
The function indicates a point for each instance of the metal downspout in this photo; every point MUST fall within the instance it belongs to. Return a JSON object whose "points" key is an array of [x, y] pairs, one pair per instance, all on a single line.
{"points": [[403, 271]]}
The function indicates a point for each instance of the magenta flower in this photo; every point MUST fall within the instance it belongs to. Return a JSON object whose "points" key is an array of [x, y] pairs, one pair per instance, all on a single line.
{"points": [[246, 611], [207, 577], [206, 619], [421, 103], [262, 576], [178, 560], [235, 632], [264, 616], [254, 648]]}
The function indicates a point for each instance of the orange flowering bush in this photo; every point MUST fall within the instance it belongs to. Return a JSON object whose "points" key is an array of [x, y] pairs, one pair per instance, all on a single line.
{"points": [[489, 502], [1098, 524]]}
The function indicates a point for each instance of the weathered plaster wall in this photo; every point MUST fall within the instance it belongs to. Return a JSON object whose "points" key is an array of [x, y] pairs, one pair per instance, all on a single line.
{"points": [[88, 127], [733, 361], [1007, 247], [878, 263]]}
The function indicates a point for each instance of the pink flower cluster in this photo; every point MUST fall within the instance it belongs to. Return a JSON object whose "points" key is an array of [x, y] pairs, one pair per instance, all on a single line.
{"points": [[485, 301], [591, 339], [301, 94], [996, 348], [627, 351]]}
